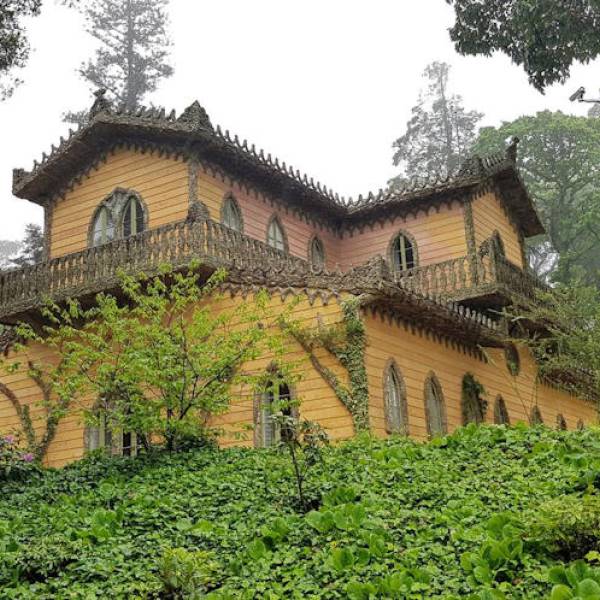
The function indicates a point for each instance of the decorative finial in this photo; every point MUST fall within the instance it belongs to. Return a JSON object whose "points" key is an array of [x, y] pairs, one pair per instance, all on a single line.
{"points": [[196, 117], [101, 104], [511, 150]]}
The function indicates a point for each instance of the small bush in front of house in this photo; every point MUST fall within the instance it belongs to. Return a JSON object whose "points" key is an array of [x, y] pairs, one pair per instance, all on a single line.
{"points": [[14, 462]]}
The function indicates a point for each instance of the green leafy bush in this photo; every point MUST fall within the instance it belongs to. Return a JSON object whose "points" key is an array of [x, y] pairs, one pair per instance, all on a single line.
{"points": [[14, 462], [567, 526], [452, 519]]}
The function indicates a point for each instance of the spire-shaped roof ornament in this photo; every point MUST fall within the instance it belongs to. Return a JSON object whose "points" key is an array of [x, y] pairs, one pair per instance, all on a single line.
{"points": [[196, 117], [511, 149], [101, 104]]}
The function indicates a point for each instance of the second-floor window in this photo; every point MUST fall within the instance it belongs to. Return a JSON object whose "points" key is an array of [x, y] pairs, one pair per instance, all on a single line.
{"points": [[276, 235], [104, 227], [403, 253], [231, 215], [133, 217], [317, 253]]}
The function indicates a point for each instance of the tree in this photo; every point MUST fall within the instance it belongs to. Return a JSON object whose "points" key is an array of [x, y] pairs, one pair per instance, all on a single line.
{"points": [[559, 159], [566, 339], [134, 49], [8, 248], [440, 132], [545, 36], [32, 248], [160, 364], [14, 46]]}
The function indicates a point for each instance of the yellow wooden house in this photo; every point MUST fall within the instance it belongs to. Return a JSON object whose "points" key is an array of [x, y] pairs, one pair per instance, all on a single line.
{"points": [[429, 268]]}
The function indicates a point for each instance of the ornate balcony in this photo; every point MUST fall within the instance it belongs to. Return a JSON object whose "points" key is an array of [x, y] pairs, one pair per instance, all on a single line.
{"points": [[487, 281]]}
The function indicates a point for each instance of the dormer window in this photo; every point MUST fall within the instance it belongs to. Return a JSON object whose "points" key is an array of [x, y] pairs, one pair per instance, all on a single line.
{"points": [[120, 214], [276, 235], [317, 253], [103, 230], [231, 215], [403, 253], [133, 217]]}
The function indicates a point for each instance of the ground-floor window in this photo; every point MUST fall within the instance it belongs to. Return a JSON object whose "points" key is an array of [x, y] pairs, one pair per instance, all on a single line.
{"points": [[435, 407]]}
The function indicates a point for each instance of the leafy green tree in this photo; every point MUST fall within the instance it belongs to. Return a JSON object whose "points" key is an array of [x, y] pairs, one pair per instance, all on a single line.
{"points": [[559, 159], [440, 132], [566, 339], [545, 37], [133, 55], [32, 247], [14, 46], [160, 364]]}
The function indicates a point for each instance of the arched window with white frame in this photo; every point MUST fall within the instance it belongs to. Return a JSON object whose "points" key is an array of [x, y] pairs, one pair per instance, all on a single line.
{"points": [[231, 214], [133, 216], [276, 237], [276, 398], [403, 252], [103, 227]]}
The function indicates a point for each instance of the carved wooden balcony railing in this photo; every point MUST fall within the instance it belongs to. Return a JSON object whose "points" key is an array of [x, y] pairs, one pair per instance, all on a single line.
{"points": [[485, 278], [95, 269], [90, 271]]}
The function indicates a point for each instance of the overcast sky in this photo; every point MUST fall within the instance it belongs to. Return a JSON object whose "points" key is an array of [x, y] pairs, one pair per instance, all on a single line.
{"points": [[324, 85]]}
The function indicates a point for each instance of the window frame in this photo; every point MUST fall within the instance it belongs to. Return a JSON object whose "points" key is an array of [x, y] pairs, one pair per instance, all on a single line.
{"points": [[129, 197], [391, 372], [500, 411], [102, 208], [407, 237], [535, 416], [261, 401], [315, 239], [230, 200], [276, 221], [432, 382]]}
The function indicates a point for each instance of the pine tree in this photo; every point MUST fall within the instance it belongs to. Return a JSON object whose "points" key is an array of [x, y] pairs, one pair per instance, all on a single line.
{"points": [[134, 49], [440, 132], [32, 248]]}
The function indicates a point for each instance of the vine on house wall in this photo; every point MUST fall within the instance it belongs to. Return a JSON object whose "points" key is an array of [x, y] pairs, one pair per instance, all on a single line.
{"points": [[54, 411], [474, 406], [346, 341]]}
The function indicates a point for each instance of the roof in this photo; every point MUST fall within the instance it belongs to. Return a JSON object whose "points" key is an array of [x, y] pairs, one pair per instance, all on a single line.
{"points": [[192, 134]]}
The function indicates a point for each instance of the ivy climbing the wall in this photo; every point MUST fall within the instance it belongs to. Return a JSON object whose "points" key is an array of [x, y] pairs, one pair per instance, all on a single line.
{"points": [[346, 341]]}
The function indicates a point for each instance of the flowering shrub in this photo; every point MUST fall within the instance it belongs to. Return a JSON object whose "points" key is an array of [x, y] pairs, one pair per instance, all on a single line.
{"points": [[14, 462]]}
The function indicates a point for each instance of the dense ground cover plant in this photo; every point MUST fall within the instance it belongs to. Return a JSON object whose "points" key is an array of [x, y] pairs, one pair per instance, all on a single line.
{"points": [[450, 519], [15, 463]]}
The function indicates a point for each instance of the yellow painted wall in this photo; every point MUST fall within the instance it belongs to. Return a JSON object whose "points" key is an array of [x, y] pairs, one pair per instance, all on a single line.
{"points": [[488, 216], [162, 183], [417, 355], [318, 402]]}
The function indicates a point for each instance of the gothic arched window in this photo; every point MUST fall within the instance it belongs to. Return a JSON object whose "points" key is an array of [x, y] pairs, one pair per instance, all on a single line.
{"points": [[500, 412], [536, 416], [472, 404], [231, 215], [133, 217], [103, 435], [276, 235], [317, 253], [513, 362], [394, 400], [403, 253], [561, 423], [435, 408], [103, 227]]}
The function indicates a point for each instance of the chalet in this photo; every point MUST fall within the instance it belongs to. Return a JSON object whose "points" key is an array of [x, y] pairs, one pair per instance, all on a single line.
{"points": [[430, 268]]}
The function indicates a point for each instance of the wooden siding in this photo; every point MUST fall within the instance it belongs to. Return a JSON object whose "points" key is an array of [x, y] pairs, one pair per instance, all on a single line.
{"points": [[318, 402], [257, 211], [161, 182], [417, 355], [439, 235], [489, 216]]}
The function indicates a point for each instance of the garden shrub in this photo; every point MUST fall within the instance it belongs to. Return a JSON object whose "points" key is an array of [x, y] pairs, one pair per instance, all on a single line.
{"points": [[15, 463], [568, 526], [188, 575]]}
